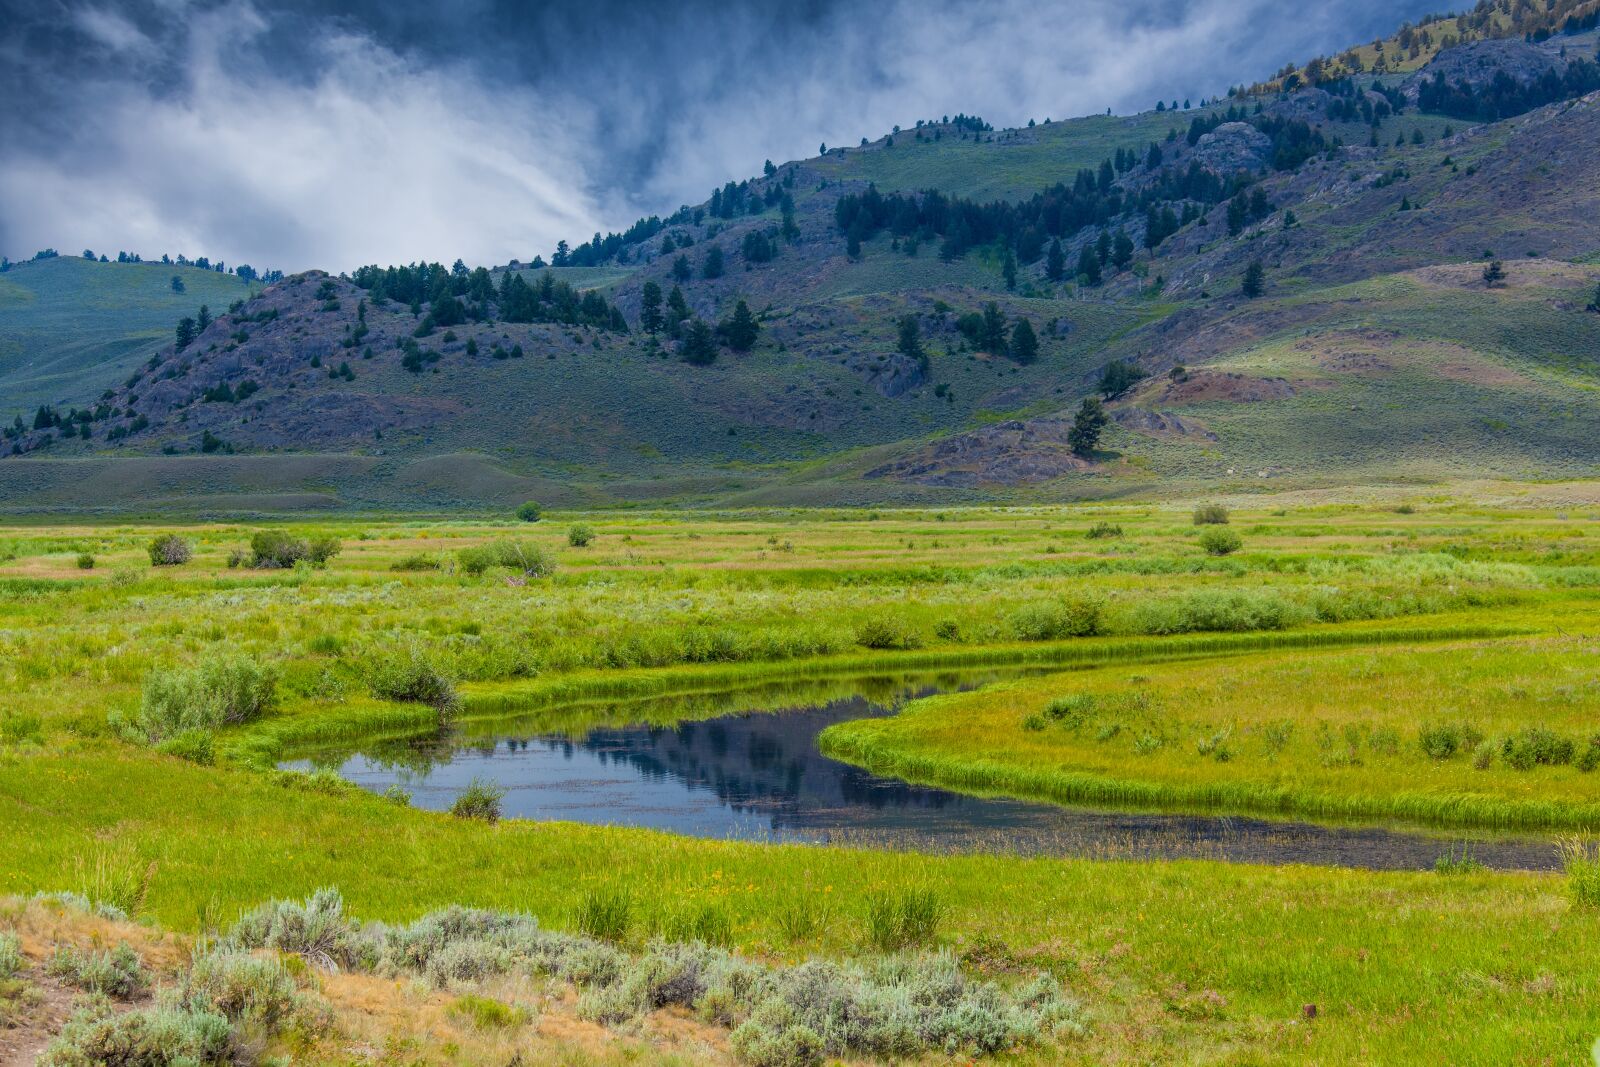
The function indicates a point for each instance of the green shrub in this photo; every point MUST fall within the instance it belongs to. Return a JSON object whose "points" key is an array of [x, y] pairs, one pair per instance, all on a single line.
{"points": [[1055, 619], [279, 549], [1102, 530], [1440, 741], [417, 561], [169, 550], [605, 914], [409, 673], [241, 988], [223, 689], [1218, 611], [149, 1037], [529, 511], [316, 930], [85, 561], [116, 972], [1458, 861], [1220, 542], [480, 799], [1588, 757], [580, 535], [1534, 746], [523, 556], [887, 632], [1210, 515], [11, 961]]}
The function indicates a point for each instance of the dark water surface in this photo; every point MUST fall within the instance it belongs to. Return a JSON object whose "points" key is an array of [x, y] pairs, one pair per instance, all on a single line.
{"points": [[757, 775]]}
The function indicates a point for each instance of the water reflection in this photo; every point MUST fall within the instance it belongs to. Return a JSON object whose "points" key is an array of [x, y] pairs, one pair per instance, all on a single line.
{"points": [[759, 776]]}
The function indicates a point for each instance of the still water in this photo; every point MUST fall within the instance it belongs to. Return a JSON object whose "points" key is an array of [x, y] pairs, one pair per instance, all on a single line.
{"points": [[757, 775]]}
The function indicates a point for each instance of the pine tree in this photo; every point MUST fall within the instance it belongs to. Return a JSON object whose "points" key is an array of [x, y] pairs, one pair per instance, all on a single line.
{"points": [[1121, 250], [681, 269], [203, 319], [1087, 426], [1055, 262], [1594, 305], [1008, 269], [650, 307], [1089, 266], [699, 344], [909, 343], [1024, 342], [1102, 248], [177, 284], [742, 329], [992, 332], [1494, 273], [1255, 278], [185, 333], [711, 267]]}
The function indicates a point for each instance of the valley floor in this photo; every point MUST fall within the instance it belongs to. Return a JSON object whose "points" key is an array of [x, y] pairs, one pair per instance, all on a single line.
{"points": [[1408, 657]]}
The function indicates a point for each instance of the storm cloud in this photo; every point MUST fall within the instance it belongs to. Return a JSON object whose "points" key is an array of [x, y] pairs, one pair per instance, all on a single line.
{"points": [[294, 135]]}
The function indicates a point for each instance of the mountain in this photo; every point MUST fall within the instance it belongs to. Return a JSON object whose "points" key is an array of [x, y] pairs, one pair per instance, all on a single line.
{"points": [[1380, 346]]}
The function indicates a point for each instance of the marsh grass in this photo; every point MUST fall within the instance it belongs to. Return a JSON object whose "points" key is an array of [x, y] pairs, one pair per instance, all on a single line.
{"points": [[902, 918], [113, 876], [480, 799], [1580, 859], [605, 914]]}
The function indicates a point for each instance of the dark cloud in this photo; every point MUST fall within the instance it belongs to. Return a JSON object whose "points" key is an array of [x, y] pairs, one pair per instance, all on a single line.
{"points": [[300, 134]]}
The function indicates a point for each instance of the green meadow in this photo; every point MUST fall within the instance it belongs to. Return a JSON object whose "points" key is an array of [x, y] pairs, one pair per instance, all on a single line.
{"points": [[1404, 657]]}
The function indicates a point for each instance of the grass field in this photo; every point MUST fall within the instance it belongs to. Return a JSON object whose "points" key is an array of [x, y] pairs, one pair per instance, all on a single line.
{"points": [[1298, 674], [72, 328]]}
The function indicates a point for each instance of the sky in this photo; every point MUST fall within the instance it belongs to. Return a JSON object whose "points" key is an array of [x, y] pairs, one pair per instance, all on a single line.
{"points": [[333, 133]]}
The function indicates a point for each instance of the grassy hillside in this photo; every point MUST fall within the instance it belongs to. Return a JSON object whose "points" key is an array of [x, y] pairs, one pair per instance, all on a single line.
{"points": [[1375, 350], [71, 328]]}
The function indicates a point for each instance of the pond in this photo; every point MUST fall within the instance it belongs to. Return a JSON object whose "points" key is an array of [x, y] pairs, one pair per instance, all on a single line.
{"points": [[757, 775]]}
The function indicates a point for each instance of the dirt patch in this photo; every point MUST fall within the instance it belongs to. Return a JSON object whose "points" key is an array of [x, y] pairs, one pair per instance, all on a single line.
{"points": [[1163, 425], [1206, 386]]}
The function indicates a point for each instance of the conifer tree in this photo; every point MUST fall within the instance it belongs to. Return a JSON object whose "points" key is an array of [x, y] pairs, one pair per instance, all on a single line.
{"points": [[1024, 342], [699, 344], [650, 307], [1087, 426], [1089, 265], [742, 329], [1055, 262], [1255, 280]]}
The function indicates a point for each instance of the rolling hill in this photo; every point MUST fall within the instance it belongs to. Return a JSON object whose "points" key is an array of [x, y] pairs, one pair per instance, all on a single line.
{"points": [[1379, 346]]}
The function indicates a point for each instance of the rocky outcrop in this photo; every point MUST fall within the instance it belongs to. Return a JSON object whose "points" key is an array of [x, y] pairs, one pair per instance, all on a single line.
{"points": [[1006, 453], [1232, 147], [1477, 64]]}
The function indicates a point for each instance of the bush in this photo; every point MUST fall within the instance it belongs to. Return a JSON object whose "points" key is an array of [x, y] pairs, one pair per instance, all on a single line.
{"points": [[223, 689], [169, 550], [10, 955], [150, 1037], [1210, 515], [530, 512], [1589, 757], [279, 549], [116, 972], [479, 800], [241, 988], [1534, 746], [316, 930], [417, 561], [1051, 620], [887, 632], [1103, 530], [580, 535], [85, 561], [1440, 741], [523, 556], [408, 673], [1218, 611], [1220, 542], [193, 745]]}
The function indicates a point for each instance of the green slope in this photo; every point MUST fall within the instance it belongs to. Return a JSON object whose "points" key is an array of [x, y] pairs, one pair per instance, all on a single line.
{"points": [[70, 328]]}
